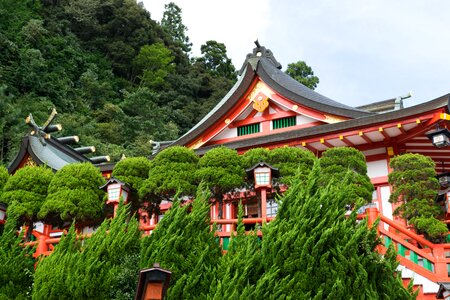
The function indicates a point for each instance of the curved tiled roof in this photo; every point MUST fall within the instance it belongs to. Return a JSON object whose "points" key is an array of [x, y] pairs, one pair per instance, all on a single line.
{"points": [[261, 63], [297, 92]]}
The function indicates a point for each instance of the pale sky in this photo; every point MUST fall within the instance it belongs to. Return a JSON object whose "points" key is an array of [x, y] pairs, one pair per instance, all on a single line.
{"points": [[362, 50]]}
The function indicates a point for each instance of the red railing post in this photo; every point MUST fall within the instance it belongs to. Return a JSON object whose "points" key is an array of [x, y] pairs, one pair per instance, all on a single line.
{"points": [[372, 215], [440, 267]]}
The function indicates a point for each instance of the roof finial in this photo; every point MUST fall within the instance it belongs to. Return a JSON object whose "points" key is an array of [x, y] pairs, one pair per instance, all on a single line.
{"points": [[257, 43]]}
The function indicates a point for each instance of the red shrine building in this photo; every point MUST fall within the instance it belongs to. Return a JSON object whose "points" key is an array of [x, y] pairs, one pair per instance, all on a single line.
{"points": [[267, 108]]}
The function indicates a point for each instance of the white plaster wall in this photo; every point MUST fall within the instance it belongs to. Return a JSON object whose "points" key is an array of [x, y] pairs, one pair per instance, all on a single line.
{"points": [[427, 285], [385, 192], [304, 120], [377, 168], [226, 134]]}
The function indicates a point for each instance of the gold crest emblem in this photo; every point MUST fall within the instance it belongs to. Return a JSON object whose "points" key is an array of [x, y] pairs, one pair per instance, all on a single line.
{"points": [[260, 102]]}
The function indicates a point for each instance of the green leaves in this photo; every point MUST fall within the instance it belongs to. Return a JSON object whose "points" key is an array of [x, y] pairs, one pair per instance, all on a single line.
{"points": [[336, 162], [16, 264], [220, 169], [303, 73], [103, 267], [184, 244], [414, 186], [26, 190], [74, 194], [171, 172]]}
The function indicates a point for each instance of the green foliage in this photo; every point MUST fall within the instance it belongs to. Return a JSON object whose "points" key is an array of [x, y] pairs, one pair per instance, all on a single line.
{"points": [[216, 60], [337, 161], [240, 268], [414, 185], [74, 193], [104, 266], [184, 244], [313, 251], [303, 73], [4, 176], [171, 173], [133, 171], [220, 169], [154, 63], [254, 156], [25, 192], [172, 23], [292, 162], [117, 78], [16, 264]]}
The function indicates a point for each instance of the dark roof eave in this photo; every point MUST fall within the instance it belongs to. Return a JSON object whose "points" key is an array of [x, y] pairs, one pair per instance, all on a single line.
{"points": [[440, 102], [277, 81]]}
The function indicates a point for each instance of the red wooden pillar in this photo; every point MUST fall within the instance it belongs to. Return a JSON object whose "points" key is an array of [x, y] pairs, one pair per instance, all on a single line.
{"points": [[42, 238], [264, 204]]}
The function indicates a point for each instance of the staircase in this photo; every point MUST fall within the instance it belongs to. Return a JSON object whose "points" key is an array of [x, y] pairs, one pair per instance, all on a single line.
{"points": [[426, 263]]}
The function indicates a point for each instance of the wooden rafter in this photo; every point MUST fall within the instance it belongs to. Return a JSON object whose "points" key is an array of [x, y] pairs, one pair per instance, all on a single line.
{"points": [[384, 134], [365, 138], [427, 125]]}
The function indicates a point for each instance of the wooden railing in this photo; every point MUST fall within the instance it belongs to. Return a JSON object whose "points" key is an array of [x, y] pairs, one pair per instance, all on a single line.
{"points": [[414, 251]]}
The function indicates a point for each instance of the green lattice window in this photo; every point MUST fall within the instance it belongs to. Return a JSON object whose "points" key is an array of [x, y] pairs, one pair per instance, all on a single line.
{"points": [[284, 122], [248, 129]]}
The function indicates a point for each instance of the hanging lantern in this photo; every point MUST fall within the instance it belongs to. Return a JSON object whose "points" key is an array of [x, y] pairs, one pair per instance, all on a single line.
{"points": [[262, 174], [440, 137]]}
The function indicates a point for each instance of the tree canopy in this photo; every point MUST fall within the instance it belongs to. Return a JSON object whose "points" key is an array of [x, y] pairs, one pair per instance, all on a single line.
{"points": [[104, 266], [303, 73], [184, 243], [339, 160], [414, 187], [171, 172], [74, 193], [25, 192]]}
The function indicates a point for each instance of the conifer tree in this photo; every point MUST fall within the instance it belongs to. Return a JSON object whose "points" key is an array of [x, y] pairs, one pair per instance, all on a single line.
{"points": [[25, 192], [104, 266], [292, 162], [172, 23], [313, 251], [74, 193], [240, 268], [221, 170], [184, 244], [337, 161], [414, 186], [16, 264], [171, 172], [133, 171], [4, 176]]}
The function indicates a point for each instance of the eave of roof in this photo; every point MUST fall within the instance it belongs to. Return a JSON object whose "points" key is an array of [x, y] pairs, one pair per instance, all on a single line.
{"points": [[440, 102], [261, 64], [231, 98], [293, 90], [53, 154]]}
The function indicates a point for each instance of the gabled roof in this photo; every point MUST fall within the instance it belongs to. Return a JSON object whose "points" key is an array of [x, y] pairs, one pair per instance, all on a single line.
{"points": [[261, 65], [41, 148], [50, 152]]}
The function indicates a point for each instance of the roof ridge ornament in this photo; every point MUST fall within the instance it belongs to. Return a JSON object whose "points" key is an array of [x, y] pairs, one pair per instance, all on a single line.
{"points": [[260, 52], [43, 131]]}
